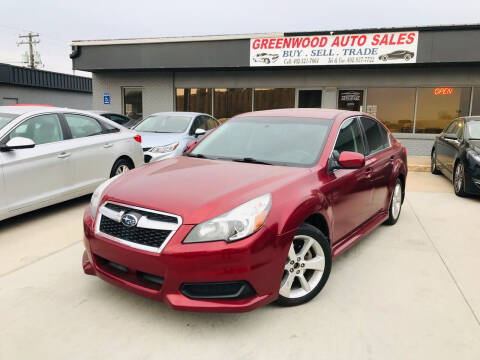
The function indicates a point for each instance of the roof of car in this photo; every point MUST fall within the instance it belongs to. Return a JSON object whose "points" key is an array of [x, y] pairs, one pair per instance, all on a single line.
{"points": [[179, 113], [329, 114], [19, 110], [471, 118]]}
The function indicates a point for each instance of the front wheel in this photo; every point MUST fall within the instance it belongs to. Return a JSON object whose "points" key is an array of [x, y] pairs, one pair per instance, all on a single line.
{"points": [[395, 203], [459, 180], [307, 267], [433, 167], [120, 166]]}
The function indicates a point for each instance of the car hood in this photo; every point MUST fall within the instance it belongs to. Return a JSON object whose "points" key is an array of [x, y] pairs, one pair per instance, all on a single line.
{"points": [[198, 189], [475, 144], [150, 139]]}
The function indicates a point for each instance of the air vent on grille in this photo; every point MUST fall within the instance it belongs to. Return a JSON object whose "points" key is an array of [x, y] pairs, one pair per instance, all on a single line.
{"points": [[137, 235], [149, 215]]}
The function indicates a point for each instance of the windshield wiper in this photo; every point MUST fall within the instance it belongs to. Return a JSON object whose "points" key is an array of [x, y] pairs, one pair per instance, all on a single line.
{"points": [[251, 160], [199, 156]]}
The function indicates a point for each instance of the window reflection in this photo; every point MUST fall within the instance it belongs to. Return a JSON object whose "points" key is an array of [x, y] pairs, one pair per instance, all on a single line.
{"points": [[436, 107], [278, 98], [476, 101], [132, 103], [231, 102], [194, 99], [395, 107]]}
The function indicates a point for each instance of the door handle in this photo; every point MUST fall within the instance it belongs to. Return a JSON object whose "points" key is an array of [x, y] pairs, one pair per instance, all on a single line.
{"points": [[64, 155], [368, 172], [107, 145]]}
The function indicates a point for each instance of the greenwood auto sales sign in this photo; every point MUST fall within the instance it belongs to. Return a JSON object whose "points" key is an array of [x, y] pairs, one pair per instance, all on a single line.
{"points": [[353, 49]]}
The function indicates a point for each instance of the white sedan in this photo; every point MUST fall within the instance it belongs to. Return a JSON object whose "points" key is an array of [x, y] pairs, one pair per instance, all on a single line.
{"points": [[49, 155]]}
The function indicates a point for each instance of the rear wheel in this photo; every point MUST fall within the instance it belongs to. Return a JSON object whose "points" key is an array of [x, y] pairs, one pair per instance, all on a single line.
{"points": [[459, 180], [120, 166], [433, 167], [395, 203], [307, 267]]}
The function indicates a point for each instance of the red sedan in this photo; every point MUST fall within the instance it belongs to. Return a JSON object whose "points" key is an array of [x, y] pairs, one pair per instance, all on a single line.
{"points": [[254, 213]]}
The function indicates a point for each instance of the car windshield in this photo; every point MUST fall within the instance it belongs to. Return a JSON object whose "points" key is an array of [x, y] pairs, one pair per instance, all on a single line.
{"points": [[5, 119], [474, 129], [285, 141], [162, 123]]}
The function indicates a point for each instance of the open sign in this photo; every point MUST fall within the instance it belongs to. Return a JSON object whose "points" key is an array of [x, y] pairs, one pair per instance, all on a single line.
{"points": [[443, 91]]}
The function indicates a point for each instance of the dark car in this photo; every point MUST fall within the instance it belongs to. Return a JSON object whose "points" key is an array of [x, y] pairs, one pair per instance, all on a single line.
{"points": [[456, 154], [254, 213], [120, 119], [399, 54]]}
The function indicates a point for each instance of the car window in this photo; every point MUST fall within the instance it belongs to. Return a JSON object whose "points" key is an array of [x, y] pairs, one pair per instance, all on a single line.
{"points": [[199, 123], [349, 138], [458, 130], [376, 135], [450, 127], [211, 123], [42, 129], [83, 126], [474, 129], [5, 119], [119, 119]]}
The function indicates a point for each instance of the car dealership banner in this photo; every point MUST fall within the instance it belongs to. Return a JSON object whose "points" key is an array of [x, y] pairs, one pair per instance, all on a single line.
{"points": [[344, 49]]}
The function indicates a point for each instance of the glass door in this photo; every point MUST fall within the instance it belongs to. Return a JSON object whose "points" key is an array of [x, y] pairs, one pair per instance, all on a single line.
{"points": [[350, 99]]}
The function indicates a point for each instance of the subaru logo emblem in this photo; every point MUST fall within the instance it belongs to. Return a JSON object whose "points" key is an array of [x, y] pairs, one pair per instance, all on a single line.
{"points": [[129, 220]]}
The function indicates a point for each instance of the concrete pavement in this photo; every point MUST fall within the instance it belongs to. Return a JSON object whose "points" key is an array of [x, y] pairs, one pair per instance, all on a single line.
{"points": [[409, 291]]}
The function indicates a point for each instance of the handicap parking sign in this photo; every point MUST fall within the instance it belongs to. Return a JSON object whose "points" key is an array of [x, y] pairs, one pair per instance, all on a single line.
{"points": [[106, 99]]}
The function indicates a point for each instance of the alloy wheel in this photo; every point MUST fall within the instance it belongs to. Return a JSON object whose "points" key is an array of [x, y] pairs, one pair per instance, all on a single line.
{"points": [[121, 169], [459, 175], [397, 200], [304, 267]]}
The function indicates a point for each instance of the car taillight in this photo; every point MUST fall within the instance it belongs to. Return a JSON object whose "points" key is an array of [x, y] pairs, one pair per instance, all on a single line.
{"points": [[404, 150], [138, 138]]}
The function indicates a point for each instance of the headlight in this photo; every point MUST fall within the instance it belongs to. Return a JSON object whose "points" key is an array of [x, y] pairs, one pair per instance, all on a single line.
{"points": [[164, 149], [97, 195], [234, 225]]}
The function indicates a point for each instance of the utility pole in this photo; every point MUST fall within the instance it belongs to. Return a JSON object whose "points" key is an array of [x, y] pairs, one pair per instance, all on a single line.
{"points": [[33, 57]]}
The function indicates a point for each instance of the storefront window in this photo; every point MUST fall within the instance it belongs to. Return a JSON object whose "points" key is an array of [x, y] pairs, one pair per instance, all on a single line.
{"points": [[194, 99], [350, 100], [132, 102], [476, 102], [438, 106], [279, 98], [230, 102], [395, 107]]}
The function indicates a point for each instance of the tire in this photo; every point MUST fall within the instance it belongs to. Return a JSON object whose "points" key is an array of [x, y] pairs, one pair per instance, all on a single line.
{"points": [[384, 58], [407, 57], [433, 163], [267, 61], [395, 203], [459, 179], [303, 279], [120, 166]]}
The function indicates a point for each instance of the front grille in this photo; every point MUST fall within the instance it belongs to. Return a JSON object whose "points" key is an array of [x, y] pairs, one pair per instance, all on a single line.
{"points": [[146, 159], [229, 290], [137, 235], [148, 214], [146, 149]]}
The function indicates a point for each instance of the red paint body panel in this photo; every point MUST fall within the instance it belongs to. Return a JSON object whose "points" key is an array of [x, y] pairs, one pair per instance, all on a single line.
{"points": [[352, 201]]}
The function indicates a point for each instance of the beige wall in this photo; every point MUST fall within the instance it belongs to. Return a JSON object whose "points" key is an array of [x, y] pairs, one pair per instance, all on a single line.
{"points": [[157, 90]]}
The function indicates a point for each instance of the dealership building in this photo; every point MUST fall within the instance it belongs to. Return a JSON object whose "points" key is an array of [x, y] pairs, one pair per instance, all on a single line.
{"points": [[415, 80]]}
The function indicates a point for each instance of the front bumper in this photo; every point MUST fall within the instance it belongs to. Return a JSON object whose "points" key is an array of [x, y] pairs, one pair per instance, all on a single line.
{"points": [[257, 261]]}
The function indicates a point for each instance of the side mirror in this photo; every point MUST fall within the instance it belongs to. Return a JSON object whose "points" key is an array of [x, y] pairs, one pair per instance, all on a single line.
{"points": [[190, 146], [451, 136], [200, 132], [351, 160], [18, 143]]}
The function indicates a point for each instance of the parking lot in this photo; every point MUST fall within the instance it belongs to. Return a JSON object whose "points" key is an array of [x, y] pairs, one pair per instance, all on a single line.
{"points": [[410, 291]]}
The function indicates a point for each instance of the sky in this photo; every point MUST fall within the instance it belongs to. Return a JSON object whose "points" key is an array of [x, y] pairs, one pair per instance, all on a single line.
{"points": [[60, 22]]}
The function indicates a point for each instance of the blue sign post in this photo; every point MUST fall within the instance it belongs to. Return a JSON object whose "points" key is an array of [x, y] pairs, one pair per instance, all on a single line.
{"points": [[106, 98]]}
